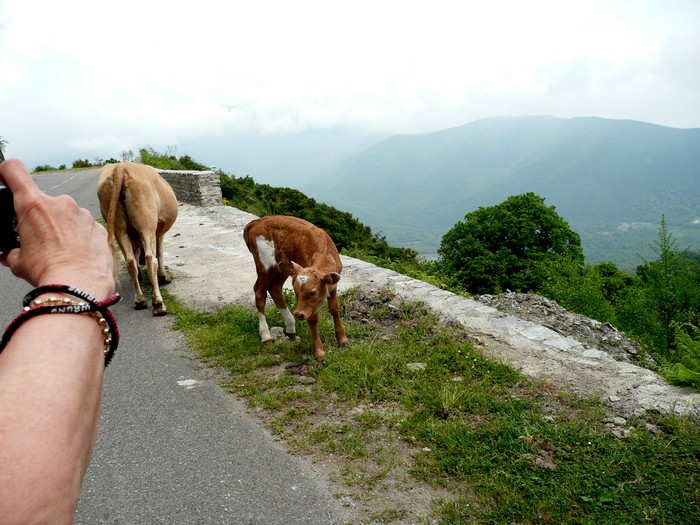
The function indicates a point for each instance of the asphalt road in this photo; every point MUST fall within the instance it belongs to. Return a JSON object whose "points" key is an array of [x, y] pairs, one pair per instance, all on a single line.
{"points": [[172, 447]]}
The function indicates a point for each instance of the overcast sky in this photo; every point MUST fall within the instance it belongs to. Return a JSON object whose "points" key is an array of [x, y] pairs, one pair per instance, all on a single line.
{"points": [[95, 78]]}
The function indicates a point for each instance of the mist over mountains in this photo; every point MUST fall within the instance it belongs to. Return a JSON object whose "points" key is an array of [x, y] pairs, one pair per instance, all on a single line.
{"points": [[612, 180], [286, 160]]}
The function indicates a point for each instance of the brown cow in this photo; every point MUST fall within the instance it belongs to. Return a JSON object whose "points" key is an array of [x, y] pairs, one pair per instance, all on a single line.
{"points": [[288, 246], [139, 207]]}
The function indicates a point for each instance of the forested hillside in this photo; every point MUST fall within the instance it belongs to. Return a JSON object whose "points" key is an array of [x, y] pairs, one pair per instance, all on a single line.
{"points": [[612, 180]]}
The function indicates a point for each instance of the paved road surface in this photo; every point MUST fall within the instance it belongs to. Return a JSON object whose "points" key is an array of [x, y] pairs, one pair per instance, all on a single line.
{"points": [[172, 447]]}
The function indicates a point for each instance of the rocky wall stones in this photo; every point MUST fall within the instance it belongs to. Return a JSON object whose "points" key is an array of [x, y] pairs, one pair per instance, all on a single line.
{"points": [[199, 188]]}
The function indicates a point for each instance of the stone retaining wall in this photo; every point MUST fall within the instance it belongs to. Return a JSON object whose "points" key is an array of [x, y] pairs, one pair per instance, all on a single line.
{"points": [[200, 188]]}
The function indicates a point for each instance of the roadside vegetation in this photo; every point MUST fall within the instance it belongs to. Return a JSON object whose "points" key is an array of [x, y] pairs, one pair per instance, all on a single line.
{"points": [[415, 425]]}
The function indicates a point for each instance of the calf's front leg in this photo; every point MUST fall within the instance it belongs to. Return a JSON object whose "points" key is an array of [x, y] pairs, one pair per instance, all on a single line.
{"points": [[334, 307], [260, 290], [316, 344], [278, 298]]}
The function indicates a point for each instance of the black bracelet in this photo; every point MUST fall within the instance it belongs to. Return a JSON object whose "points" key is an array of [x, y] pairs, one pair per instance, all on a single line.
{"points": [[98, 309]]}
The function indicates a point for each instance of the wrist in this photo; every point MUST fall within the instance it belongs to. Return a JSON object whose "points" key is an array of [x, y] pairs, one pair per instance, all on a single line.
{"points": [[46, 299], [100, 288]]}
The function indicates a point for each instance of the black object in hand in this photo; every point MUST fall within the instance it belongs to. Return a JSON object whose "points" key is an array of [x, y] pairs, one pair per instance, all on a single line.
{"points": [[8, 221]]}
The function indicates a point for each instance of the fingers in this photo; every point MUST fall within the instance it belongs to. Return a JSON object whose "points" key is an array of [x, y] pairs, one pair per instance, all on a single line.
{"points": [[15, 176], [60, 242]]}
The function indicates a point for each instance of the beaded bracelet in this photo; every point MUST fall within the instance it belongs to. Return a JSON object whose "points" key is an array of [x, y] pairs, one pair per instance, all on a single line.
{"points": [[89, 305]]}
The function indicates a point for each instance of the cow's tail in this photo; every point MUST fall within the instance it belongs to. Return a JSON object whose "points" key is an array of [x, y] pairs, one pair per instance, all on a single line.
{"points": [[118, 176]]}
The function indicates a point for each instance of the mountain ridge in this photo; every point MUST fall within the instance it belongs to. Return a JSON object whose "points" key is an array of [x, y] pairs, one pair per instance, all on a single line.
{"points": [[598, 173]]}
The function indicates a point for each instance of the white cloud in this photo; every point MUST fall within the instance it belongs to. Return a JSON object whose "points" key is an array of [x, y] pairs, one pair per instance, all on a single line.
{"points": [[100, 75]]}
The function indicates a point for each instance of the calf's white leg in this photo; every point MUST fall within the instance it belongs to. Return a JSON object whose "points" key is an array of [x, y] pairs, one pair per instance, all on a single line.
{"points": [[263, 328], [289, 322]]}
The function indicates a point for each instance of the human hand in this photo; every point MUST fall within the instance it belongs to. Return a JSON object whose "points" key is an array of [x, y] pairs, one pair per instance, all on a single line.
{"points": [[60, 242]]}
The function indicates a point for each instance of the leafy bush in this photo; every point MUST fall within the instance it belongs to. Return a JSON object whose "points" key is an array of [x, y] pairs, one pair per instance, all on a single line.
{"points": [[44, 167], [80, 163], [505, 246], [684, 370], [579, 288], [169, 162]]}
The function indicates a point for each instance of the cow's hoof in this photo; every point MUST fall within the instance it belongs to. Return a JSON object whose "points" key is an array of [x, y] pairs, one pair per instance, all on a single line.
{"points": [[291, 336], [164, 279], [344, 342], [159, 310], [268, 342], [140, 305], [320, 355]]}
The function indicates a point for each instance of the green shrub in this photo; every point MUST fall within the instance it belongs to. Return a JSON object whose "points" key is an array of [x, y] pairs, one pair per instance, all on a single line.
{"points": [[505, 246], [684, 367], [80, 163], [44, 167], [579, 288], [168, 161]]}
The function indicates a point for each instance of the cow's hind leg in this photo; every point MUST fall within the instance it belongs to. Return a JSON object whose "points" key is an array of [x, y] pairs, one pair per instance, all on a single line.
{"points": [[163, 277], [149, 245], [277, 295], [132, 267], [334, 307]]}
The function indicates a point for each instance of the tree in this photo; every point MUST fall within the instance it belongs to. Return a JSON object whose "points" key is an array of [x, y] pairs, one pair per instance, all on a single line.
{"points": [[507, 246], [670, 289], [581, 288]]}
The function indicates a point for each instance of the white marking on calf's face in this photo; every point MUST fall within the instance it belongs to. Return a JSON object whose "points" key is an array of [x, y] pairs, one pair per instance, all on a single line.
{"points": [[266, 252], [310, 292]]}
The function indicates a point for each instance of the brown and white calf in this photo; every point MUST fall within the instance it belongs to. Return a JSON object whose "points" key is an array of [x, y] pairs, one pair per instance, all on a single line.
{"points": [[139, 206], [284, 247]]}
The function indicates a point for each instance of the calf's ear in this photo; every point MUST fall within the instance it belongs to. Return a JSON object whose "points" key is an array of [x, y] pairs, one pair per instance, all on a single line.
{"points": [[296, 268], [331, 278], [289, 267]]}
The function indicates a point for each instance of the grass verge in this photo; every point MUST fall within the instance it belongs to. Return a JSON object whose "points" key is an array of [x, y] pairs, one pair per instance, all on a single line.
{"points": [[416, 426]]}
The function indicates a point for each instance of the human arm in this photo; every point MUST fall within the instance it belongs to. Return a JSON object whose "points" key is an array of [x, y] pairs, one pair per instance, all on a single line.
{"points": [[51, 370]]}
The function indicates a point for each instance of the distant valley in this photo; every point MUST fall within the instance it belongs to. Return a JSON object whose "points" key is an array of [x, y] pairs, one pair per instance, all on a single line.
{"points": [[610, 179]]}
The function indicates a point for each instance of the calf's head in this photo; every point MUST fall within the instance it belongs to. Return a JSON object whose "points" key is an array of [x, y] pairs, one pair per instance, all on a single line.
{"points": [[311, 288]]}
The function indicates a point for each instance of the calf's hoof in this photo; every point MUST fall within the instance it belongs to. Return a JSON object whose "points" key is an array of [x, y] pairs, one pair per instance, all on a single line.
{"points": [[140, 305], [344, 342], [159, 310], [164, 279]]}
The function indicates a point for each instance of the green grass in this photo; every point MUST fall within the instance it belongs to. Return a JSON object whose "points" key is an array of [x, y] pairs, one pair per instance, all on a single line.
{"points": [[411, 401]]}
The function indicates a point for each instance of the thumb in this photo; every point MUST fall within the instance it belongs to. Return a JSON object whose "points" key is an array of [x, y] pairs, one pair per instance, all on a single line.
{"points": [[13, 260]]}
